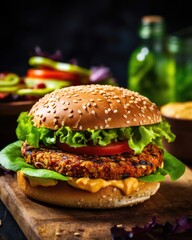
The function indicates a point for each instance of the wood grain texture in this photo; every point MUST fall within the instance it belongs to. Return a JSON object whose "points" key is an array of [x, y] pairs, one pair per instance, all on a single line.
{"points": [[40, 221]]}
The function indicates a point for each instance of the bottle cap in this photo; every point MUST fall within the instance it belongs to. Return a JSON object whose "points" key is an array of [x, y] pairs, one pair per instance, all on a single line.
{"points": [[152, 19], [152, 26]]}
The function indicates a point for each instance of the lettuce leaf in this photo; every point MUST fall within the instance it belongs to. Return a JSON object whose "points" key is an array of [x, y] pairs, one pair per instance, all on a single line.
{"points": [[11, 159], [172, 166], [138, 137]]}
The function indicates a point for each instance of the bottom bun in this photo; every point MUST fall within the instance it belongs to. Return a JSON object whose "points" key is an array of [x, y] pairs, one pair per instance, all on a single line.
{"points": [[65, 195]]}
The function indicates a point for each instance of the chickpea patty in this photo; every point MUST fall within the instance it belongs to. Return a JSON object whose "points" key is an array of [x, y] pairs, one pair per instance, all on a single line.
{"points": [[117, 166]]}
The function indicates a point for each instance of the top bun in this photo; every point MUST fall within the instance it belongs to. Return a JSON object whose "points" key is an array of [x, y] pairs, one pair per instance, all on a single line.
{"points": [[94, 107]]}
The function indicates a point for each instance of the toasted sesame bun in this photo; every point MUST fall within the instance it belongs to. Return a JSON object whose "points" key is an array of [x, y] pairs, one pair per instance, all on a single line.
{"points": [[94, 107], [67, 196]]}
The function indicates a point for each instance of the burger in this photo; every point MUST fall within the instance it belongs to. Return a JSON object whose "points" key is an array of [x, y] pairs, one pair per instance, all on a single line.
{"points": [[91, 146]]}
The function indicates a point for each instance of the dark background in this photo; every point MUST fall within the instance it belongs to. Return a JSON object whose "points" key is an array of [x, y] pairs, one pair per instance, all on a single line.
{"points": [[93, 32], [97, 32]]}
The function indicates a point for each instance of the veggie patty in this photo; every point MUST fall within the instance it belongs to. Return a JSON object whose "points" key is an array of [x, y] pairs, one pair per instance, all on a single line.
{"points": [[117, 166]]}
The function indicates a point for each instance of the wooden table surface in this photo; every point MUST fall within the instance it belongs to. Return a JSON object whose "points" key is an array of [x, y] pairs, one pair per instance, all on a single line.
{"points": [[40, 221]]}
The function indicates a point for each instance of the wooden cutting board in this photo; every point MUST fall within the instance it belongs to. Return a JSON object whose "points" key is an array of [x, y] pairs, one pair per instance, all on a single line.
{"points": [[39, 221]]}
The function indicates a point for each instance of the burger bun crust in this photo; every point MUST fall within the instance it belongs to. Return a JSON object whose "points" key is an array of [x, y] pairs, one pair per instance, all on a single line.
{"points": [[94, 107]]}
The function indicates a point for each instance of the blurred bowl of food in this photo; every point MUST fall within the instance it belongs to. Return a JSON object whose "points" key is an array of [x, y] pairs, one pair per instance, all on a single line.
{"points": [[179, 116]]}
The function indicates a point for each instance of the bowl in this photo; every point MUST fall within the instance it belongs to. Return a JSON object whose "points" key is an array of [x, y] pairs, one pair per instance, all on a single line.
{"points": [[179, 116]]}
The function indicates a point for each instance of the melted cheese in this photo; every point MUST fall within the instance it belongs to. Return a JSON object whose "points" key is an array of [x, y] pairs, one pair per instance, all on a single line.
{"points": [[127, 185], [45, 182]]}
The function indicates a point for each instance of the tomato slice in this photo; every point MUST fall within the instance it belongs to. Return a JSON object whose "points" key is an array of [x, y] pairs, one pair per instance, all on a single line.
{"points": [[52, 74], [3, 95], [60, 66], [111, 149]]}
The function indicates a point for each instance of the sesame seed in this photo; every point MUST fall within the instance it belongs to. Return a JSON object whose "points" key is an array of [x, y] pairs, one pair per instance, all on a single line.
{"points": [[119, 225], [79, 111], [151, 108], [56, 127], [115, 111], [58, 234], [77, 234]]}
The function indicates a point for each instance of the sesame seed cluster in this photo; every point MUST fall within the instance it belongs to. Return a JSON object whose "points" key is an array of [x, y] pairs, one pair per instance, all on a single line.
{"points": [[94, 106]]}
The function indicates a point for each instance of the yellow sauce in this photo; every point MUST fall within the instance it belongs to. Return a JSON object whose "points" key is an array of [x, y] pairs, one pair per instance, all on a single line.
{"points": [[45, 182], [127, 185], [181, 110]]}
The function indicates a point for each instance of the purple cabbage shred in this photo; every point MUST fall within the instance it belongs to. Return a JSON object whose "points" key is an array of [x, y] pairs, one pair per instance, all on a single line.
{"points": [[56, 56], [99, 73], [182, 229]]}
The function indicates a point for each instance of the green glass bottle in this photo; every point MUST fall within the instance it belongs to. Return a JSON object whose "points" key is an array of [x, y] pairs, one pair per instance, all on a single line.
{"points": [[151, 67], [180, 45]]}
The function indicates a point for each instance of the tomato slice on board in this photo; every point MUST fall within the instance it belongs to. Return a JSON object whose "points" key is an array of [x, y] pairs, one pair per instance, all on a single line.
{"points": [[52, 74], [111, 149]]}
